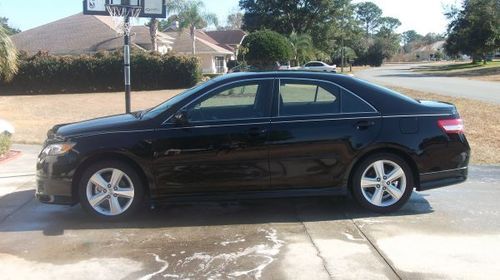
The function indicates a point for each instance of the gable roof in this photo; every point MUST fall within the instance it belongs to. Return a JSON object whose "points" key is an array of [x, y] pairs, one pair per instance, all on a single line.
{"points": [[183, 44], [81, 34], [228, 37]]}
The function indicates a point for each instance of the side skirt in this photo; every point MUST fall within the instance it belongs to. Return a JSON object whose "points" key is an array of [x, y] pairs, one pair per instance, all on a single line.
{"points": [[249, 195]]}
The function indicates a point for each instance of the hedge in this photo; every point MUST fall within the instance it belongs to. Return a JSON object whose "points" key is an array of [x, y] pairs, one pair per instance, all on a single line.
{"points": [[43, 73], [5, 143]]}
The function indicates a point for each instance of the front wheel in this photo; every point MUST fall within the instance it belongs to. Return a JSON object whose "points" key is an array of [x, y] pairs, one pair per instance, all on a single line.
{"points": [[110, 190], [382, 183]]}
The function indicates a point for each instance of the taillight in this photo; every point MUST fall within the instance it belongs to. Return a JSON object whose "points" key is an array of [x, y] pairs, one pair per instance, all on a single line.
{"points": [[453, 126]]}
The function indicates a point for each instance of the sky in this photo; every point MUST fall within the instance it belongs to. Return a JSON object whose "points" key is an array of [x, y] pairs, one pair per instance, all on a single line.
{"points": [[421, 15]]}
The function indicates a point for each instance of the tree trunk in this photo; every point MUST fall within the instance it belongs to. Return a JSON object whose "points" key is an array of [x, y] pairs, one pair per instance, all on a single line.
{"points": [[193, 39], [153, 32]]}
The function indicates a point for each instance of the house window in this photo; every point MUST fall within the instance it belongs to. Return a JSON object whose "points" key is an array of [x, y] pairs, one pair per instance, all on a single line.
{"points": [[220, 63]]}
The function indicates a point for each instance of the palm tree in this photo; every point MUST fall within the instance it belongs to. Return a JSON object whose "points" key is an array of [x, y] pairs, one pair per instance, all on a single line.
{"points": [[302, 46], [172, 6], [192, 16], [8, 56]]}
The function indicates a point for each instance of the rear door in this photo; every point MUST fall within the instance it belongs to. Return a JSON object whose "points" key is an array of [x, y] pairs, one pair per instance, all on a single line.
{"points": [[316, 130]]}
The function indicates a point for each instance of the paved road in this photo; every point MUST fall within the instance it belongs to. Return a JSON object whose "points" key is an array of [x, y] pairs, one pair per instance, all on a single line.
{"points": [[450, 233], [402, 76]]}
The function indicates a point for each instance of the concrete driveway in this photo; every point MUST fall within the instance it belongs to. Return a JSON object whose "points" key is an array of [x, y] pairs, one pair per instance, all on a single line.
{"points": [[403, 76], [450, 233]]}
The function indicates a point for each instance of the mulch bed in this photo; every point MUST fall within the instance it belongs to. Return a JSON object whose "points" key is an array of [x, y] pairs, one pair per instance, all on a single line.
{"points": [[10, 155]]}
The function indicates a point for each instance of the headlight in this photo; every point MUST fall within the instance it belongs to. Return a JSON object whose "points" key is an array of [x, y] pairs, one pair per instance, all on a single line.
{"points": [[58, 149]]}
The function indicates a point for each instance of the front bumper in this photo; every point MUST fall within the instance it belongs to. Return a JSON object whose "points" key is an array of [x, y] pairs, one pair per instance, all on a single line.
{"points": [[55, 179], [54, 191], [443, 178]]}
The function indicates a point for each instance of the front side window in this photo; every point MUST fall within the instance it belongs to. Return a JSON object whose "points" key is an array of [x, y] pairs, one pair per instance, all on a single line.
{"points": [[243, 101], [302, 98]]}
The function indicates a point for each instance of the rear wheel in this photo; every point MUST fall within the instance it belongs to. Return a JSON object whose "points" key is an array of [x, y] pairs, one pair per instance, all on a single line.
{"points": [[110, 190], [382, 183]]}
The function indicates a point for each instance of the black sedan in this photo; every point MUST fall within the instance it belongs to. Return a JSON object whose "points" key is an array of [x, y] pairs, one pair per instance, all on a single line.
{"points": [[249, 135]]}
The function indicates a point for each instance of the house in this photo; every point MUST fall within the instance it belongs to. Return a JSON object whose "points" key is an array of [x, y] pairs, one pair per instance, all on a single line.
{"points": [[428, 52], [213, 57], [83, 34], [228, 39]]}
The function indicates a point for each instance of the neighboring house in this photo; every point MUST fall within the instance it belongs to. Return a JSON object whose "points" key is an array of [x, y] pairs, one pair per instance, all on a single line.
{"points": [[428, 52], [213, 57], [83, 34], [228, 39]]}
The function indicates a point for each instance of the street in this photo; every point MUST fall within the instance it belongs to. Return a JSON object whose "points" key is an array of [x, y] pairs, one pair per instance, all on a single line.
{"points": [[401, 75], [448, 233]]}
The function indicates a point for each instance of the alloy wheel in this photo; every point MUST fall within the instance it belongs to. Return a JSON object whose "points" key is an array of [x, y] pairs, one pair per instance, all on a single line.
{"points": [[383, 183], [110, 192]]}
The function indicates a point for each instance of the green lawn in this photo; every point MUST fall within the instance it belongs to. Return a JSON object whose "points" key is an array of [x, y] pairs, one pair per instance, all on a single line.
{"points": [[476, 71], [459, 67]]}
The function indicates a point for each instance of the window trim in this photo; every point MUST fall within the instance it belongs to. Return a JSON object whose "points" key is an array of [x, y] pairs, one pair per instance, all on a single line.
{"points": [[277, 98], [211, 91]]}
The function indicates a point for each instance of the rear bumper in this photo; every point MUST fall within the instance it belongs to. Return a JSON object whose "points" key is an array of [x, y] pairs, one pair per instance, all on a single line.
{"points": [[443, 178]]}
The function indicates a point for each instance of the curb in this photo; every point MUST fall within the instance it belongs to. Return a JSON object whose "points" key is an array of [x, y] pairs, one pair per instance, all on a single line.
{"points": [[11, 158]]}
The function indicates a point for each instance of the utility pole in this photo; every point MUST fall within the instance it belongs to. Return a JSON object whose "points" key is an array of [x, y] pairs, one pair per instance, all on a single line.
{"points": [[342, 56], [126, 63]]}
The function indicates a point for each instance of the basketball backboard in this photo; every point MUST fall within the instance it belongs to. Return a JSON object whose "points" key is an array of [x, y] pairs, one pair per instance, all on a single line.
{"points": [[150, 8]]}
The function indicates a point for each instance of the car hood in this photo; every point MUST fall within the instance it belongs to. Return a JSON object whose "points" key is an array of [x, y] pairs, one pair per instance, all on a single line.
{"points": [[106, 124]]}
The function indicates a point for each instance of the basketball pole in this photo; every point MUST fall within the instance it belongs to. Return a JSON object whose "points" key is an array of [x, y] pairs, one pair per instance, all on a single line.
{"points": [[126, 63]]}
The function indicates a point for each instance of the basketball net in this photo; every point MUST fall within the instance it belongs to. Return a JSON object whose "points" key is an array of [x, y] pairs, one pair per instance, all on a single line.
{"points": [[119, 12]]}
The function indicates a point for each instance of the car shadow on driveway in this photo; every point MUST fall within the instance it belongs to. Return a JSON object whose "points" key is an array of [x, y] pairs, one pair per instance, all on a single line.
{"points": [[53, 220]]}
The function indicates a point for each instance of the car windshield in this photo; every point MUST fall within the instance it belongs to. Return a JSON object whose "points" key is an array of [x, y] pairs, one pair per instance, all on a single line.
{"points": [[155, 111]]}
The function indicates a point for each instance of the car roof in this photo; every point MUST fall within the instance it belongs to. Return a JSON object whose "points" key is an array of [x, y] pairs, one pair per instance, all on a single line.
{"points": [[383, 99]]}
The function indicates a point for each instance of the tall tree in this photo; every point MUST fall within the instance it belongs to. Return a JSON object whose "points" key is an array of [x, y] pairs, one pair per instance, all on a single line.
{"points": [[8, 56], [389, 24], [411, 36], [234, 21], [411, 39], [431, 38], [474, 29], [192, 16], [386, 41], [313, 17], [369, 14], [4, 22]]}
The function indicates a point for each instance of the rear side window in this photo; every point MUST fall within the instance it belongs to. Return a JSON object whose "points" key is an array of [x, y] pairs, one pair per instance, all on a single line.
{"points": [[303, 98], [353, 104]]}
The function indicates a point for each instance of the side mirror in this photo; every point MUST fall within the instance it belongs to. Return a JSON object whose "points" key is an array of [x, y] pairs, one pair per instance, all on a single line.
{"points": [[181, 118]]}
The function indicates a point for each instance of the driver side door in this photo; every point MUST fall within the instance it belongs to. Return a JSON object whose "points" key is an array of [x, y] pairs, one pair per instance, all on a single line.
{"points": [[221, 145]]}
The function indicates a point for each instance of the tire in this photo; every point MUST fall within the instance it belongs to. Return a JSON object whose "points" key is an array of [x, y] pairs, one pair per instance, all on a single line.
{"points": [[379, 192], [110, 190]]}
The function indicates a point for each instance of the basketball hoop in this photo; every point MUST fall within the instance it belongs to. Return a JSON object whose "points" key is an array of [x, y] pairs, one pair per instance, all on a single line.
{"points": [[121, 15], [121, 12]]}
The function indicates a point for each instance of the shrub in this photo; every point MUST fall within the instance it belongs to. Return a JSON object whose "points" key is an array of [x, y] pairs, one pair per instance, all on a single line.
{"points": [[5, 143], [43, 73], [264, 48], [375, 55]]}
